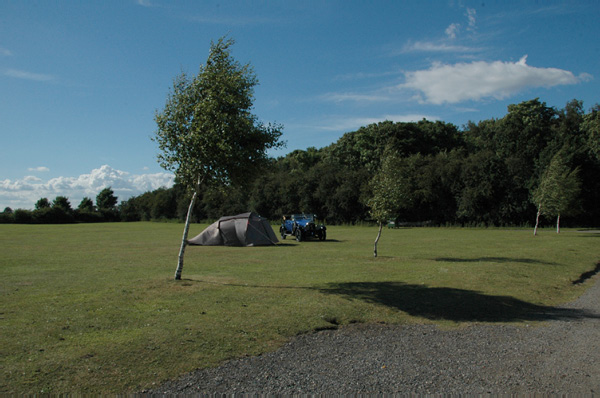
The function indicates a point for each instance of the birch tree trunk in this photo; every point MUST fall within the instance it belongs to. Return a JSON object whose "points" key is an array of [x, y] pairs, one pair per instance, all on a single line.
{"points": [[537, 219], [558, 224], [377, 239], [186, 229]]}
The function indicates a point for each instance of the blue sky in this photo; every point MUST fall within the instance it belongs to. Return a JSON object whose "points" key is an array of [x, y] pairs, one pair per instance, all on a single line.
{"points": [[80, 81]]}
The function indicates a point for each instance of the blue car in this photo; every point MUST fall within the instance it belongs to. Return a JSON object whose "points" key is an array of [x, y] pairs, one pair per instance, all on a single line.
{"points": [[302, 226]]}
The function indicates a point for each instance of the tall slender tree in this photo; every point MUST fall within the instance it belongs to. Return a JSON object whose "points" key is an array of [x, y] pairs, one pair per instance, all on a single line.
{"points": [[390, 192], [558, 191], [206, 132]]}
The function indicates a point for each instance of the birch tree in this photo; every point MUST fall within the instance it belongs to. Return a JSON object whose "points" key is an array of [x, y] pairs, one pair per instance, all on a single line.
{"points": [[390, 192], [207, 133], [558, 191]]}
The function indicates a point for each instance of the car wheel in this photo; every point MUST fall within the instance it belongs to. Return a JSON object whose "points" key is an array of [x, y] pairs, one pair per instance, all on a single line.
{"points": [[298, 234], [282, 232], [323, 235]]}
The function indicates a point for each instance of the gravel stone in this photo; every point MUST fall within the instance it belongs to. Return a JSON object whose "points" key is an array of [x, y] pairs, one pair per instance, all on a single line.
{"points": [[560, 357]]}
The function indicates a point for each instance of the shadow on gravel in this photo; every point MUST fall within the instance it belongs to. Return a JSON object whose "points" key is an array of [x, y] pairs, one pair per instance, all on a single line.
{"points": [[459, 305]]}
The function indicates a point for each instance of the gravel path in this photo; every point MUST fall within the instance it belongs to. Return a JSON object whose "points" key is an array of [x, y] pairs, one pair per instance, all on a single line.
{"points": [[561, 357]]}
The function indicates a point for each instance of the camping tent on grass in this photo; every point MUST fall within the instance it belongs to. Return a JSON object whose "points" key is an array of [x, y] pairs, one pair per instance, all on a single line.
{"points": [[247, 229]]}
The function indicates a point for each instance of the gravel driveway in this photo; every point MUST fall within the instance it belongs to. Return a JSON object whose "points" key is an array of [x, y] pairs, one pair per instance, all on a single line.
{"points": [[561, 357]]}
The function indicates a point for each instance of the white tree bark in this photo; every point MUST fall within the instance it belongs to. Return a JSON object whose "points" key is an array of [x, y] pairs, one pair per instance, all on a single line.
{"points": [[186, 229], [537, 219], [377, 239], [558, 224]]}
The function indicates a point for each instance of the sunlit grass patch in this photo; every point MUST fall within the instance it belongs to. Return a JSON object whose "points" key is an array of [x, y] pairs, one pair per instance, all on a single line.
{"points": [[94, 307]]}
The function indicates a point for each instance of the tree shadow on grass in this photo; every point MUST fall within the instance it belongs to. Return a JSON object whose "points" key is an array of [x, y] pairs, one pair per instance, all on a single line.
{"points": [[587, 275], [442, 303], [294, 242], [493, 260]]}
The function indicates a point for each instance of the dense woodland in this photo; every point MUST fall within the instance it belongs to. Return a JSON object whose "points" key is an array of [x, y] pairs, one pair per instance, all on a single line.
{"points": [[485, 174]]}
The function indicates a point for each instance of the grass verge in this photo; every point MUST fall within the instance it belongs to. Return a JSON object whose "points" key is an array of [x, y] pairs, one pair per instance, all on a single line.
{"points": [[93, 307]]}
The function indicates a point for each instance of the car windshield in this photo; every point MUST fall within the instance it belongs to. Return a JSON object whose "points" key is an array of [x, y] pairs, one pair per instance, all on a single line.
{"points": [[308, 217]]}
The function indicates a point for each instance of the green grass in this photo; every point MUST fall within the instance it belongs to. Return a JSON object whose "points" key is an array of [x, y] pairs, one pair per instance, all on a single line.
{"points": [[93, 307]]}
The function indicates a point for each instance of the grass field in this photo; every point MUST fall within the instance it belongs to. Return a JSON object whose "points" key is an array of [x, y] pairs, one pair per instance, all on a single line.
{"points": [[93, 307]]}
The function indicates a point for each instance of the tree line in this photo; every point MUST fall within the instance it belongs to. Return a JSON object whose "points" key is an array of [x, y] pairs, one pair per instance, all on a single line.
{"points": [[60, 211], [490, 173]]}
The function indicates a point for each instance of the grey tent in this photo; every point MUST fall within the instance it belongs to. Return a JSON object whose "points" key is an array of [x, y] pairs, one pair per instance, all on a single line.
{"points": [[247, 229]]}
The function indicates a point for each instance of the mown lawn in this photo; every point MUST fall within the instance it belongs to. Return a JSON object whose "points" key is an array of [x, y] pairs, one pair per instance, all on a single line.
{"points": [[94, 307]]}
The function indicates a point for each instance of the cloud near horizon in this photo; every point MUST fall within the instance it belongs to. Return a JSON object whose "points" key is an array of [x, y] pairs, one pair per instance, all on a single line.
{"points": [[450, 84], [23, 193]]}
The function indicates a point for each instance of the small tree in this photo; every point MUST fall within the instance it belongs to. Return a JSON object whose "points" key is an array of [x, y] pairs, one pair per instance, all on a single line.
{"points": [[6, 216], [206, 132], [390, 192], [558, 191], [106, 199], [62, 202], [569, 188], [42, 203], [86, 205]]}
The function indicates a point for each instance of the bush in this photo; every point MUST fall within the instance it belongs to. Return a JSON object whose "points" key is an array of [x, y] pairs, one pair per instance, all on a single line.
{"points": [[23, 216], [7, 217], [52, 215], [88, 216]]}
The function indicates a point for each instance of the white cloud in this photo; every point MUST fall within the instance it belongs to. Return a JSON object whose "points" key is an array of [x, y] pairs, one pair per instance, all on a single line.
{"points": [[145, 3], [32, 179], [442, 45], [452, 30], [478, 80], [5, 52], [25, 192], [430, 46], [471, 16], [40, 169], [351, 124], [365, 75], [241, 20], [341, 97], [20, 74]]}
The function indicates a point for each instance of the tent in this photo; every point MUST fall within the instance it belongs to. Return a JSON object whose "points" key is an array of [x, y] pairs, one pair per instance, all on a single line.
{"points": [[247, 229]]}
